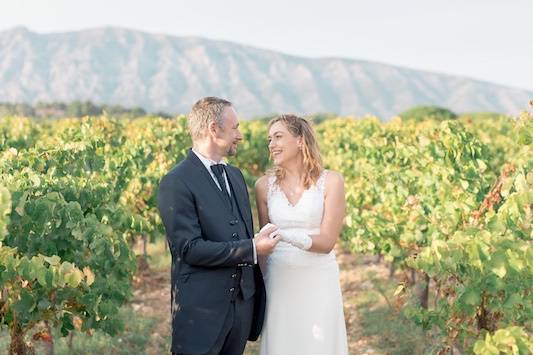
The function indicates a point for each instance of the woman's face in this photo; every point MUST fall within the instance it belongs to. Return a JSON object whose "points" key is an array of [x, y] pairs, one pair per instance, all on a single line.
{"points": [[283, 146]]}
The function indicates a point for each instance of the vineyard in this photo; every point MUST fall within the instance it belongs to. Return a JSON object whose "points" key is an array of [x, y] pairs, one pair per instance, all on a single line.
{"points": [[445, 204]]}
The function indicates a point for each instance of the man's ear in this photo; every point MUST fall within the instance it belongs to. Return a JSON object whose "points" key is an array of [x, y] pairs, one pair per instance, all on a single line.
{"points": [[212, 129]]}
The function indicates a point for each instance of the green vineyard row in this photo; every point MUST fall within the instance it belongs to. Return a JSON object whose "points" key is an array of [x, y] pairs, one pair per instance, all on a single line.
{"points": [[449, 203]]}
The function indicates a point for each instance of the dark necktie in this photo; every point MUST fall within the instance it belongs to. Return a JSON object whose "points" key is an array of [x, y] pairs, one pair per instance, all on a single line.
{"points": [[218, 170]]}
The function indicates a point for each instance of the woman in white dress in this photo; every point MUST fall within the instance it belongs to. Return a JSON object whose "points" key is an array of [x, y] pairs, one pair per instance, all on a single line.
{"points": [[304, 310]]}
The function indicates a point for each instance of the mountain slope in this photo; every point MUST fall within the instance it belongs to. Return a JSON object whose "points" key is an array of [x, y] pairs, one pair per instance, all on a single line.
{"points": [[160, 72]]}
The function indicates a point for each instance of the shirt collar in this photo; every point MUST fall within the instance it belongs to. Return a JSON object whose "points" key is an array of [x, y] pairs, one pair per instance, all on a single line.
{"points": [[206, 161]]}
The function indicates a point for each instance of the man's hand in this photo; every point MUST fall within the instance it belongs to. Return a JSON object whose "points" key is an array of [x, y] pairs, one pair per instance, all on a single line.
{"points": [[266, 240]]}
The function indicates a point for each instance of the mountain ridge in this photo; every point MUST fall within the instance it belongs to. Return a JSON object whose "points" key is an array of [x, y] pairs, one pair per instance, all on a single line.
{"points": [[115, 65]]}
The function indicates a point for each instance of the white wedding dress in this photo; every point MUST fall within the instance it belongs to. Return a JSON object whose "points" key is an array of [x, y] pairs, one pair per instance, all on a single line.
{"points": [[304, 310]]}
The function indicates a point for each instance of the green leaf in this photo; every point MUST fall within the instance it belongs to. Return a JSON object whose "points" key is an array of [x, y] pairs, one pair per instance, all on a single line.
{"points": [[35, 180], [513, 300], [520, 183], [65, 267], [484, 347], [53, 260], [507, 184], [43, 304], [471, 297], [74, 278], [498, 264], [66, 324], [20, 206], [515, 261], [464, 184], [529, 178], [41, 276], [26, 303], [496, 226], [50, 278]]}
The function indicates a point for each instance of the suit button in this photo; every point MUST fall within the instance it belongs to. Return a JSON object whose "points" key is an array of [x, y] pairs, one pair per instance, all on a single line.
{"points": [[235, 236], [233, 276], [233, 222], [232, 289]]}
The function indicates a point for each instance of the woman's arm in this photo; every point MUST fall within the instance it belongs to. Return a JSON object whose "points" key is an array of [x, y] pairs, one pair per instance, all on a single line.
{"points": [[261, 190], [334, 211]]}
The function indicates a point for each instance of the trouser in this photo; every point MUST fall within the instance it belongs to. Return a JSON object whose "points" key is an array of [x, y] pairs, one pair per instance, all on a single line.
{"points": [[234, 333]]}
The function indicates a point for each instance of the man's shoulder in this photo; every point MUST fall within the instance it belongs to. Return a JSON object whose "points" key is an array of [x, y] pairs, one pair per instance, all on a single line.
{"points": [[180, 170]]}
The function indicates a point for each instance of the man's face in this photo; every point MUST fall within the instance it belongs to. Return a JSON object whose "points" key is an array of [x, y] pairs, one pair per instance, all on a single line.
{"points": [[228, 136]]}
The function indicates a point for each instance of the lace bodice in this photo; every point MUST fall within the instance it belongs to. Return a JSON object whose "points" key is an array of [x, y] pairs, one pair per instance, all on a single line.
{"points": [[305, 214]]}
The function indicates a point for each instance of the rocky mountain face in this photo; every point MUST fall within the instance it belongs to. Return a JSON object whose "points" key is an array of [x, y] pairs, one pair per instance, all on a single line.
{"points": [[168, 73]]}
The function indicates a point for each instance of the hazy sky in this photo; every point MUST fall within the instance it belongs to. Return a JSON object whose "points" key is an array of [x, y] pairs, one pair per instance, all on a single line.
{"points": [[489, 40]]}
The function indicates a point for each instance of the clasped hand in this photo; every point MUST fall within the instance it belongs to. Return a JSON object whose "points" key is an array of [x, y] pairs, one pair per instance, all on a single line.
{"points": [[266, 240], [298, 239]]}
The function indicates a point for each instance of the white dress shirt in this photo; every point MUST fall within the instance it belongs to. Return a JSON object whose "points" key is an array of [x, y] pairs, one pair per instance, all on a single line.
{"points": [[207, 163]]}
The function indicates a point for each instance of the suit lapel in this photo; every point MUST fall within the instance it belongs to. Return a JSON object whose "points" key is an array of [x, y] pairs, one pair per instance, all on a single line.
{"points": [[210, 182], [241, 197]]}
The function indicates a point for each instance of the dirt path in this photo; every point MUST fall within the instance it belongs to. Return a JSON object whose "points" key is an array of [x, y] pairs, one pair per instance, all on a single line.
{"points": [[151, 298]]}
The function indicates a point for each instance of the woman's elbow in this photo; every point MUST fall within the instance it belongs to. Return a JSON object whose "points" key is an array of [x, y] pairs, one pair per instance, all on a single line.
{"points": [[326, 247]]}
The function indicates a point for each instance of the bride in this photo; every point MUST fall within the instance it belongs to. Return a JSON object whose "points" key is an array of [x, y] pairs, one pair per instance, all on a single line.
{"points": [[304, 312]]}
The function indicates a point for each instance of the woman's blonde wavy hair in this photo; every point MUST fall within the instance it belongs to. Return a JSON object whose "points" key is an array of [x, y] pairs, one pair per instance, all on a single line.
{"points": [[300, 127]]}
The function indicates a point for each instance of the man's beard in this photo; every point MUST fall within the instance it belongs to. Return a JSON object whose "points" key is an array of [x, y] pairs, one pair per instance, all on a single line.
{"points": [[232, 150]]}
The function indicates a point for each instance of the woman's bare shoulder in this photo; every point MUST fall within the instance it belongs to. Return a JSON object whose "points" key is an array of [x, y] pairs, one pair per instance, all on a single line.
{"points": [[261, 184], [334, 178]]}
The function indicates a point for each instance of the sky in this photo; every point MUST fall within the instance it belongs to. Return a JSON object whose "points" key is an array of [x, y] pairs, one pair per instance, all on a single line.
{"points": [[490, 40]]}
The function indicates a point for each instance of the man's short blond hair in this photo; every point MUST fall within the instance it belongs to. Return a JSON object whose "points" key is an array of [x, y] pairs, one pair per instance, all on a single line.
{"points": [[206, 110]]}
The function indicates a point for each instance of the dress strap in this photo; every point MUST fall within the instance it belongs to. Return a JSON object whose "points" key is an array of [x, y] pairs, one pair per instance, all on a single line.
{"points": [[271, 184], [321, 182]]}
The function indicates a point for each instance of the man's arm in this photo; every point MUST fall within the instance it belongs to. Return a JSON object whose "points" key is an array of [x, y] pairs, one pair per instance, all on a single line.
{"points": [[178, 212]]}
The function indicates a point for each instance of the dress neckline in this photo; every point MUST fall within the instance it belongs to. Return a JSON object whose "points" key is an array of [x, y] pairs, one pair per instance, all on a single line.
{"points": [[287, 198], [315, 185]]}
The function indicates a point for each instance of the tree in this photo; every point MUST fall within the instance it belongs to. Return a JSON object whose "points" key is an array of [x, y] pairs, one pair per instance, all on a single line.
{"points": [[421, 113]]}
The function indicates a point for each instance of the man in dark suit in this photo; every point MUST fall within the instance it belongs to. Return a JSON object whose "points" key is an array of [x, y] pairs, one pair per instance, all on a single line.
{"points": [[217, 290]]}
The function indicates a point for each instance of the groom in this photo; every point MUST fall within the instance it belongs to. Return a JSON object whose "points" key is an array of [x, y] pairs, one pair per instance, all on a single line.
{"points": [[218, 295]]}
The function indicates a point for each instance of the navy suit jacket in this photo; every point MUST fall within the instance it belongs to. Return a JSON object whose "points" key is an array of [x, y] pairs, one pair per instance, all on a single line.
{"points": [[199, 228]]}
